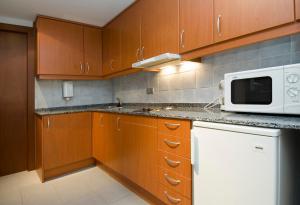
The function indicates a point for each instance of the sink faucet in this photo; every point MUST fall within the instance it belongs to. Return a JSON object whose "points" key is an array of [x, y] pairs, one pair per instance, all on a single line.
{"points": [[119, 102]]}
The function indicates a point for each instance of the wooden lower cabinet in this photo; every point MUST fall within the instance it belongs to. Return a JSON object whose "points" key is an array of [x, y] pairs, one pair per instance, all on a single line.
{"points": [[64, 143], [129, 145], [139, 135]]}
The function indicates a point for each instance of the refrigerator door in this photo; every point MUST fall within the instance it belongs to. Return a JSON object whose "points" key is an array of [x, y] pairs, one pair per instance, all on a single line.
{"points": [[234, 168]]}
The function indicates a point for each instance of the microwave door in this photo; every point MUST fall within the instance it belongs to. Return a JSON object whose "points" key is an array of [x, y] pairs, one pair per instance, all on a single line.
{"points": [[252, 91]]}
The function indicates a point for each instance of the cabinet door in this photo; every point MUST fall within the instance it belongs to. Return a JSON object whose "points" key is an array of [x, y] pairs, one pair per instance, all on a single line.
{"points": [[100, 135], [297, 4], [160, 27], [67, 139], [196, 24], [130, 36], [112, 47], [60, 47], [235, 18], [113, 141], [140, 151], [92, 51]]}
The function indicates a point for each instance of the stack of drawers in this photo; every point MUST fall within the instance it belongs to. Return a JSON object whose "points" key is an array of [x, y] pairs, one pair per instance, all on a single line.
{"points": [[174, 161]]}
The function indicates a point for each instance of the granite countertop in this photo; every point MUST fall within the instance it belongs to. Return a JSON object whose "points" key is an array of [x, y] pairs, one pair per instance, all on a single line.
{"points": [[194, 112]]}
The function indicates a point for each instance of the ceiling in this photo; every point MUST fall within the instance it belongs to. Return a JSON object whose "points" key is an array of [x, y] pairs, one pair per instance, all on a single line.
{"points": [[95, 12]]}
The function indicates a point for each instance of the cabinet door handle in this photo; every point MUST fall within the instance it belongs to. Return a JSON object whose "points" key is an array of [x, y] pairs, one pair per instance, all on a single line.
{"points": [[81, 68], [219, 24], [48, 122], [171, 180], [172, 163], [88, 67], [171, 144], [118, 124], [137, 54], [181, 39], [172, 199], [172, 126], [111, 65], [101, 120], [142, 52]]}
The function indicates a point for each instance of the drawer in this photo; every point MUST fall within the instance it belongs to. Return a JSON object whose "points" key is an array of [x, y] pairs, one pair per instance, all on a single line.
{"points": [[175, 182], [177, 145], [174, 127], [180, 165], [172, 198]]}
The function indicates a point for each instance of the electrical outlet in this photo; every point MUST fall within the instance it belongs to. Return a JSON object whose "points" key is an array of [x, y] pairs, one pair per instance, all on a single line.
{"points": [[149, 91]]}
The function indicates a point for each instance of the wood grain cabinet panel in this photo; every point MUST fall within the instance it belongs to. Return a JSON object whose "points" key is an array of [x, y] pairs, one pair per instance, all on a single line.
{"points": [[176, 182], [64, 143], [174, 163], [112, 47], [60, 47], [171, 197], [160, 27], [92, 51], [140, 151], [297, 6], [130, 36], [234, 18], [196, 24], [67, 139], [100, 135], [110, 141]]}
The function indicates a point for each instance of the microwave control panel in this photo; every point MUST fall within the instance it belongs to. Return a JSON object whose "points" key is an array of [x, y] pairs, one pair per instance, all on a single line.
{"points": [[292, 89]]}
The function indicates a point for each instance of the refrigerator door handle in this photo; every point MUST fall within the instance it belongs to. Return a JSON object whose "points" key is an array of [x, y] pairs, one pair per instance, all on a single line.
{"points": [[193, 144]]}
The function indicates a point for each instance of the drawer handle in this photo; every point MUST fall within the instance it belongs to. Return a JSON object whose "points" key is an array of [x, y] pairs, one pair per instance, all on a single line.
{"points": [[172, 163], [171, 199], [172, 126], [171, 180], [171, 144]]}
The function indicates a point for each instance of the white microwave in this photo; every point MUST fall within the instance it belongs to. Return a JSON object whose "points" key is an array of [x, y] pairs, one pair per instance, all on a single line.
{"points": [[269, 90]]}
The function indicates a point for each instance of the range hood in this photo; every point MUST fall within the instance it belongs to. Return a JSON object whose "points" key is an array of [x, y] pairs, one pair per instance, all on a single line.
{"points": [[158, 61]]}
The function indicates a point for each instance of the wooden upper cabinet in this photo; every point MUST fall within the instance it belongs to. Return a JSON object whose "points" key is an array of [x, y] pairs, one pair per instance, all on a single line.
{"points": [[234, 18], [112, 47], [297, 4], [92, 51], [196, 24], [160, 27], [59, 47], [130, 36]]}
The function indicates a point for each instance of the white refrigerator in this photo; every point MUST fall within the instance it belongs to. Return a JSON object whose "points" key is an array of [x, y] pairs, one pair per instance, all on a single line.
{"points": [[240, 165]]}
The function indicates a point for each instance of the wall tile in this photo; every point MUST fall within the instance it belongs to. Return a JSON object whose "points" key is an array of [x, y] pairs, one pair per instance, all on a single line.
{"points": [[277, 47], [275, 61], [295, 57], [48, 93]]}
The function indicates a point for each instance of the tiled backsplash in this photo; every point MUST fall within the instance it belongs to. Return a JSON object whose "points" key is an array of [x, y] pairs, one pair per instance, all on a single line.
{"points": [[185, 84], [200, 84], [48, 93]]}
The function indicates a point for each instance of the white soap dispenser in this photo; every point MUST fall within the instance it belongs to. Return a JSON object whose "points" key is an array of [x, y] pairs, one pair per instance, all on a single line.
{"points": [[67, 90]]}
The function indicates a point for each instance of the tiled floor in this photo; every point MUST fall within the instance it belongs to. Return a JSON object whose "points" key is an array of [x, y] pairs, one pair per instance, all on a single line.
{"points": [[88, 187]]}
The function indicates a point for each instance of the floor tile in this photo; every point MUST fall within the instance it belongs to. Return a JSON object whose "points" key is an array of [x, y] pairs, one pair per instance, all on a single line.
{"points": [[130, 200], [89, 199], [90, 186], [40, 194], [10, 197], [72, 188]]}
